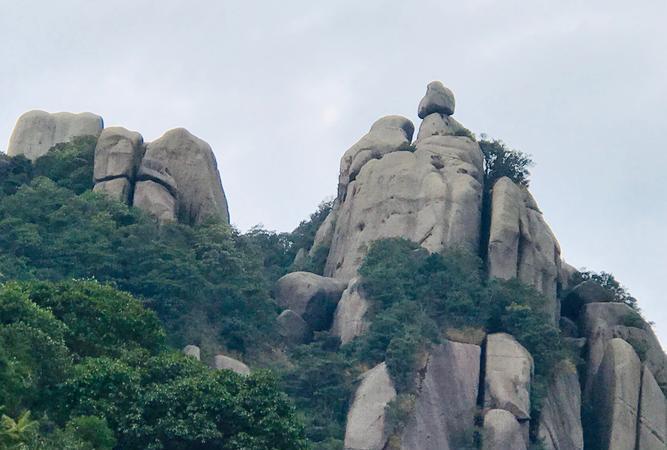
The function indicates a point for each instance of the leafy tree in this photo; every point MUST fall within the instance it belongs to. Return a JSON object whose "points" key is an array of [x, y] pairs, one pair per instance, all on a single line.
{"points": [[69, 164], [607, 281], [503, 161], [14, 172]]}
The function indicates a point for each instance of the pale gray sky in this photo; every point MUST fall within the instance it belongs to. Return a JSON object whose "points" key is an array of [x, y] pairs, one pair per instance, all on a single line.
{"points": [[282, 89]]}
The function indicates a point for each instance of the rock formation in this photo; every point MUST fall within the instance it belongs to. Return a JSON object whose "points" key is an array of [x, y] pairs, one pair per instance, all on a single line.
{"points": [[222, 362], [349, 318], [502, 431], [37, 131]]}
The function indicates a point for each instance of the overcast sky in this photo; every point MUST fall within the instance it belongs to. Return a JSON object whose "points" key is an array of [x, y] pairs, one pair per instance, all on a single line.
{"points": [[281, 89]]}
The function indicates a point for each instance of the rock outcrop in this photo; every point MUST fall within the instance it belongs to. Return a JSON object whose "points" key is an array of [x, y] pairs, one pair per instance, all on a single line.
{"points": [[616, 397], [311, 296], [293, 329], [222, 362], [521, 244], [560, 418], [119, 189], [502, 431], [349, 318], [193, 351], [444, 414], [652, 414], [191, 163], [366, 419], [37, 131], [118, 154], [509, 372], [156, 200], [582, 294], [438, 99]]}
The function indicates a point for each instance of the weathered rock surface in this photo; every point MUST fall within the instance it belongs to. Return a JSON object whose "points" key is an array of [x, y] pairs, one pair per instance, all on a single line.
{"points": [[616, 397], [560, 420], [156, 200], [652, 414], [446, 402], [600, 322], [293, 328], [521, 244], [566, 276], [190, 161], [432, 196], [37, 131], [388, 134], [365, 429], [349, 321], [438, 99], [222, 362], [509, 372], [437, 124], [117, 154], [502, 431], [192, 350], [117, 189], [311, 296], [585, 292]]}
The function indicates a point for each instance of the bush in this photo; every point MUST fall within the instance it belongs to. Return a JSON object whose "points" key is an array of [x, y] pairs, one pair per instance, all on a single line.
{"points": [[69, 164], [502, 161]]}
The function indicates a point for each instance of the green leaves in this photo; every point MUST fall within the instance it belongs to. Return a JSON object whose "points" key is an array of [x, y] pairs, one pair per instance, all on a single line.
{"points": [[502, 161]]}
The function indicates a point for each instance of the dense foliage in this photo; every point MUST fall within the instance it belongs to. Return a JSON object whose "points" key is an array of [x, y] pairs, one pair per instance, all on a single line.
{"points": [[91, 364], [503, 161], [607, 281]]}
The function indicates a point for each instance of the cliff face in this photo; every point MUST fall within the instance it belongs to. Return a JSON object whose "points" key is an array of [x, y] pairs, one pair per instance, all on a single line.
{"points": [[430, 191]]}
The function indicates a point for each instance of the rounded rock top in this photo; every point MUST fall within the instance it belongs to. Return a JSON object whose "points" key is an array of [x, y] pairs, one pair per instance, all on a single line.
{"points": [[438, 99]]}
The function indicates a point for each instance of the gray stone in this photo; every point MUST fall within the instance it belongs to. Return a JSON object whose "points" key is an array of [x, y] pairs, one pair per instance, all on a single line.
{"points": [[117, 154], [600, 322], [432, 196], [437, 124], [365, 429], [37, 131], [438, 99], [616, 397], [349, 321], [502, 431], [566, 276], [325, 233], [388, 134], [509, 372], [560, 419], [652, 414], [446, 404], [222, 362], [521, 244], [311, 296], [118, 189], [156, 200], [293, 328], [154, 170], [193, 351], [585, 292], [191, 162]]}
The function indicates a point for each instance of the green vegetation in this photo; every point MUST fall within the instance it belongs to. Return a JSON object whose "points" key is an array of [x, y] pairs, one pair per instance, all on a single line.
{"points": [[91, 364], [607, 281], [503, 161]]}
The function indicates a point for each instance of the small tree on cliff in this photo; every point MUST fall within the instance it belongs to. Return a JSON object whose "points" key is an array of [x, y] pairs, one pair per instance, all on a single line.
{"points": [[502, 161]]}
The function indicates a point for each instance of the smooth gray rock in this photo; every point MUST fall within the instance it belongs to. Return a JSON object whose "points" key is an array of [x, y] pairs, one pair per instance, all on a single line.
{"points": [[560, 425], [222, 362], [616, 397], [388, 134], [349, 321], [365, 429], [156, 200], [191, 162], [652, 414], [437, 124], [193, 351], [502, 431], [600, 322], [311, 296], [509, 373], [37, 131], [118, 189], [446, 404], [293, 328], [521, 244], [585, 292], [432, 196], [117, 154], [566, 276], [438, 99], [154, 170]]}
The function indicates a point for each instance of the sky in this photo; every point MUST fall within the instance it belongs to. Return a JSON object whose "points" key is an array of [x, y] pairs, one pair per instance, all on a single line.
{"points": [[281, 89]]}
